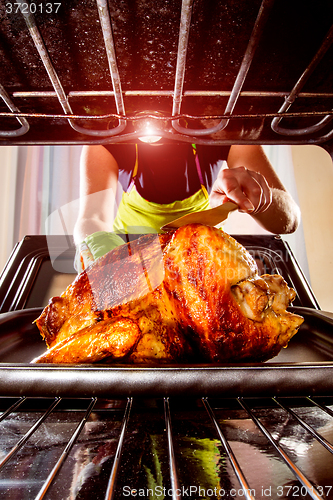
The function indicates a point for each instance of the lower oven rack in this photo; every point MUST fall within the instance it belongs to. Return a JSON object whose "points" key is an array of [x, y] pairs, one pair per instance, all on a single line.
{"points": [[98, 448]]}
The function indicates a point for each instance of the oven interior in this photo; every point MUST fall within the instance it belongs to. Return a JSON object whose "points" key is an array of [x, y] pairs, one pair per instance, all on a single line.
{"points": [[222, 72]]}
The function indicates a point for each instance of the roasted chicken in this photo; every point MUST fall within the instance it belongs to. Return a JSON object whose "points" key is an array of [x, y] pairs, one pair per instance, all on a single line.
{"points": [[192, 295]]}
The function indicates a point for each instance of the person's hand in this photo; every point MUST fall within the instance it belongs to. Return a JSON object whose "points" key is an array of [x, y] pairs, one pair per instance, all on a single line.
{"points": [[94, 246], [247, 188]]}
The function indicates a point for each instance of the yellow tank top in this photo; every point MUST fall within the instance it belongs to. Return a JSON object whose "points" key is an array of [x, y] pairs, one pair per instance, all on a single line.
{"points": [[138, 216]]}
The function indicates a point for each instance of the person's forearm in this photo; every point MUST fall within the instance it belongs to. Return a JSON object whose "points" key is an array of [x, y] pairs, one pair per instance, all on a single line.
{"points": [[86, 227], [282, 216], [98, 188]]}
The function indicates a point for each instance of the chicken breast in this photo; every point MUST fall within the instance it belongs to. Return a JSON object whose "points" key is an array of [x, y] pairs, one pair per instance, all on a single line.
{"points": [[193, 295]]}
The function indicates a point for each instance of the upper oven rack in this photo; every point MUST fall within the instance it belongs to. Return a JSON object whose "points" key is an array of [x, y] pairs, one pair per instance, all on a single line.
{"points": [[212, 82]]}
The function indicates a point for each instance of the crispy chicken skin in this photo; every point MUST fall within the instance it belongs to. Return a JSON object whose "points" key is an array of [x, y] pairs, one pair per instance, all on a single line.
{"points": [[191, 295]]}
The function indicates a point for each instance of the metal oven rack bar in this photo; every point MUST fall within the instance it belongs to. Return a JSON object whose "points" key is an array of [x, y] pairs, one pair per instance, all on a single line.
{"points": [[173, 485], [118, 132], [241, 76], [295, 93], [55, 80], [14, 110], [113, 476]]}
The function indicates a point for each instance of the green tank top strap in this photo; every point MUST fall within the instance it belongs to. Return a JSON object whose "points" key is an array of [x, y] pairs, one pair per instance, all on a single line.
{"points": [[199, 171]]}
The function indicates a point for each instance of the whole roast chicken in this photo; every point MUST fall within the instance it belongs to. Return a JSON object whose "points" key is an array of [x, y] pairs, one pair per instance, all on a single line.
{"points": [[192, 295]]}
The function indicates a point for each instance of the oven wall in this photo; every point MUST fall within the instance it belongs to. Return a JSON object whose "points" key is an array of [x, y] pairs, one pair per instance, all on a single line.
{"points": [[314, 177]]}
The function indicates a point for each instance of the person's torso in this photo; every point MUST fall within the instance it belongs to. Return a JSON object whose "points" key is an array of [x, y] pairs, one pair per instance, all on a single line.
{"points": [[167, 173]]}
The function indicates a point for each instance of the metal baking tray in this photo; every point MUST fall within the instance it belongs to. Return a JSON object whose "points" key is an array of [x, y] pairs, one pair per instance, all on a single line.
{"points": [[305, 368]]}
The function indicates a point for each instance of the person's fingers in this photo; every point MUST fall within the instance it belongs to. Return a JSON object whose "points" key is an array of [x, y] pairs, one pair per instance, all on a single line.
{"points": [[266, 192], [242, 188], [230, 191], [217, 196], [247, 188]]}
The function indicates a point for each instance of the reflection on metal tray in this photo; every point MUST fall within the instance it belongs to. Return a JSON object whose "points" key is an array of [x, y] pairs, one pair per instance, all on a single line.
{"points": [[306, 365]]}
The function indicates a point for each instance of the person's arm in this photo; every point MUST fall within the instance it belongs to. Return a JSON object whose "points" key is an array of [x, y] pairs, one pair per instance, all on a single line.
{"points": [[251, 182], [98, 185]]}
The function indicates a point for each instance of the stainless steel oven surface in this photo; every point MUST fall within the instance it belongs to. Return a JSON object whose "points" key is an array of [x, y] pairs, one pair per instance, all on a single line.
{"points": [[217, 72]]}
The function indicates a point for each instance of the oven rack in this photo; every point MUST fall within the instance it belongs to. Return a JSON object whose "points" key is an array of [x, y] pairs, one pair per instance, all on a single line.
{"points": [[231, 111], [72, 442]]}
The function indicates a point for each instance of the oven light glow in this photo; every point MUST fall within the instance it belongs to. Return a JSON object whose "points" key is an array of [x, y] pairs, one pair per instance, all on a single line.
{"points": [[149, 133]]}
